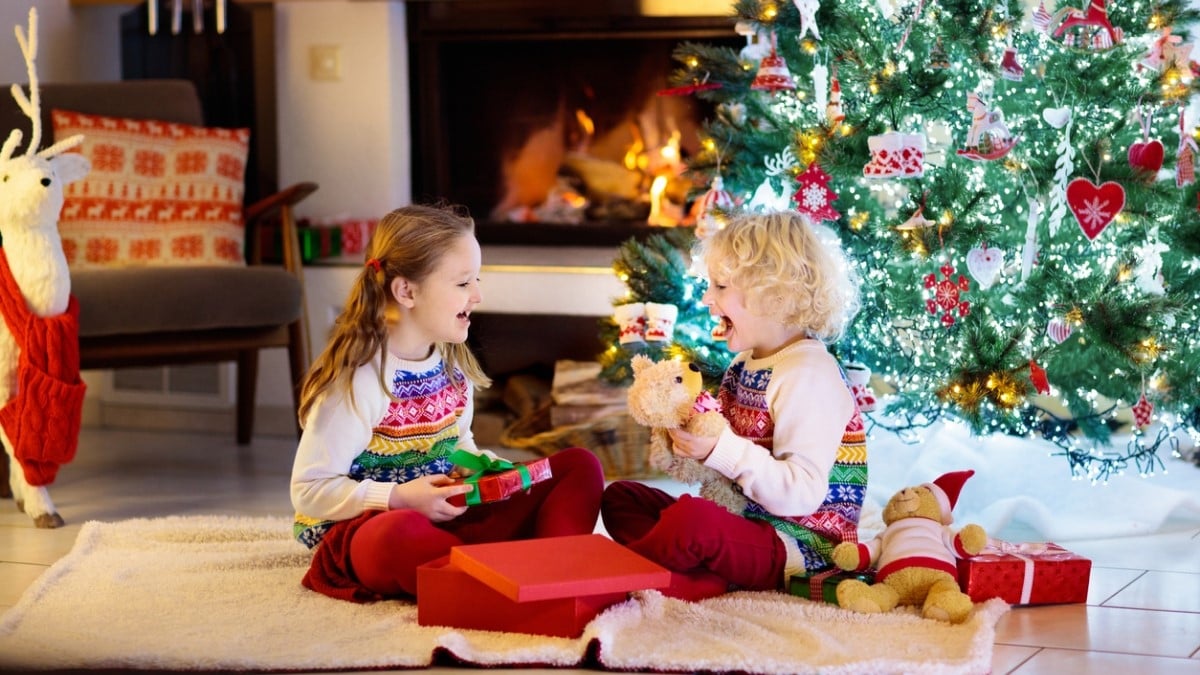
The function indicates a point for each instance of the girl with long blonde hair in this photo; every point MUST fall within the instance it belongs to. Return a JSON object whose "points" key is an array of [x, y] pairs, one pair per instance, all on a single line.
{"points": [[388, 400]]}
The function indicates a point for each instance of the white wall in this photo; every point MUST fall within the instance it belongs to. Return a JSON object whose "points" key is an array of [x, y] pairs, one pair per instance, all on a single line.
{"points": [[74, 44]]}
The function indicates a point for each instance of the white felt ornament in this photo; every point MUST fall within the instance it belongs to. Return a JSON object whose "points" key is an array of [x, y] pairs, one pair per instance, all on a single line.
{"points": [[1064, 166], [808, 17], [1029, 251], [984, 265], [820, 83]]}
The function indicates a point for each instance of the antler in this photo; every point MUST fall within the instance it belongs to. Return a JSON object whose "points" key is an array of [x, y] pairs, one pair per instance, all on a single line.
{"points": [[32, 105], [781, 162]]}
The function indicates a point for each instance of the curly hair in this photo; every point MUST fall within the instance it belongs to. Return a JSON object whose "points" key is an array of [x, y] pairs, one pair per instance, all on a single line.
{"points": [[788, 268], [407, 243]]}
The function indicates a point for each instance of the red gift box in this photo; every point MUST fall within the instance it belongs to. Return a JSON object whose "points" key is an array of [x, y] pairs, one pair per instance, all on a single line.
{"points": [[356, 234], [550, 586], [1025, 574], [510, 479]]}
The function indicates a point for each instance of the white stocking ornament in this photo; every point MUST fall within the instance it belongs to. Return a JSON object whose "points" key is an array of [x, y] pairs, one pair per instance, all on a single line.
{"points": [[631, 319], [660, 321]]}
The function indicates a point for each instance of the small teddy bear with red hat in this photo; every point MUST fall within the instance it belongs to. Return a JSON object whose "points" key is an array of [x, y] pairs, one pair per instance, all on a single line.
{"points": [[915, 554]]}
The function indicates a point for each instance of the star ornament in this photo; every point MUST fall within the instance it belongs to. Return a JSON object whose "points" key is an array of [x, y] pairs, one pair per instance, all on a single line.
{"points": [[814, 198], [1094, 206]]}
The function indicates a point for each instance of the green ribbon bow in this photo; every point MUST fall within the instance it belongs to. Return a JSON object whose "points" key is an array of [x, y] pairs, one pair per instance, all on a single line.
{"points": [[483, 465]]}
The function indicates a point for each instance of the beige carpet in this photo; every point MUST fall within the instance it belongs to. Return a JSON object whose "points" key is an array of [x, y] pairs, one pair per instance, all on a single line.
{"points": [[219, 593]]}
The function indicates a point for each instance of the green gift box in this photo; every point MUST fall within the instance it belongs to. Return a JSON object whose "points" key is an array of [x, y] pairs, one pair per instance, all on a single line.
{"points": [[821, 586]]}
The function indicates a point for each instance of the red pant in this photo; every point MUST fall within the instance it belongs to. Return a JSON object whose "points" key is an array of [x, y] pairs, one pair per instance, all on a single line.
{"points": [[386, 550], [708, 548]]}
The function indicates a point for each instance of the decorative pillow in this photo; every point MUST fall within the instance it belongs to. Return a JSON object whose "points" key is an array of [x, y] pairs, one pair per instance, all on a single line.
{"points": [[158, 193]]}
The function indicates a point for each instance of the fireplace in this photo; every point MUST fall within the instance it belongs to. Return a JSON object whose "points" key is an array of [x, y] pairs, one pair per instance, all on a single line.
{"points": [[543, 118]]}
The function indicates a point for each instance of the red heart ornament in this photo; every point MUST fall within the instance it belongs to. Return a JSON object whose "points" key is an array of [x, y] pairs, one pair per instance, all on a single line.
{"points": [[1094, 206], [1146, 156]]}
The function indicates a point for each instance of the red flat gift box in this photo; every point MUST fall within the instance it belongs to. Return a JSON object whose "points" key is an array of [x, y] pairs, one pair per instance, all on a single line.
{"points": [[550, 586], [495, 487], [1025, 574]]}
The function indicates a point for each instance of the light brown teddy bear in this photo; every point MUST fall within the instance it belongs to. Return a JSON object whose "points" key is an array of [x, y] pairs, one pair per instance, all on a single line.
{"points": [[670, 395], [915, 555]]}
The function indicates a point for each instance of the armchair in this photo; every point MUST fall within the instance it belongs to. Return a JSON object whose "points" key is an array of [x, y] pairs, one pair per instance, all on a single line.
{"points": [[158, 316]]}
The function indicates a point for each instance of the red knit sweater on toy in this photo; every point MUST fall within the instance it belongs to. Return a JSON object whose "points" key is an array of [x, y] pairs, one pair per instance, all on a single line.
{"points": [[42, 418]]}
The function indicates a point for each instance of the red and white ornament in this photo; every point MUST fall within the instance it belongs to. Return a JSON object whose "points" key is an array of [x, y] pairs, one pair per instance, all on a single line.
{"points": [[1058, 330], [814, 198], [1010, 68], [631, 320], [1185, 158], [715, 200], [1094, 206], [947, 295], [896, 155], [660, 321], [984, 264], [1041, 18], [1143, 412], [773, 74], [1147, 154], [859, 377], [834, 114], [989, 137]]}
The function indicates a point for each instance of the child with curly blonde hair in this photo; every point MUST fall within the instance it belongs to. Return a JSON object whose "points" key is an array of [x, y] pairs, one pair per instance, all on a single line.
{"points": [[389, 398], [780, 289]]}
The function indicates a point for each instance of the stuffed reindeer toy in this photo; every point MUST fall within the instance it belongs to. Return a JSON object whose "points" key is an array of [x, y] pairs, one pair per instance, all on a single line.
{"points": [[41, 393]]}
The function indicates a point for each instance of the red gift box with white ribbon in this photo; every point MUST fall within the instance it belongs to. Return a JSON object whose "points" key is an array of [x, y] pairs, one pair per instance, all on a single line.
{"points": [[1025, 574]]}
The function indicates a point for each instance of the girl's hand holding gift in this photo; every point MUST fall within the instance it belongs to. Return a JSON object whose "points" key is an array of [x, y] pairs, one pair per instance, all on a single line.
{"points": [[429, 495]]}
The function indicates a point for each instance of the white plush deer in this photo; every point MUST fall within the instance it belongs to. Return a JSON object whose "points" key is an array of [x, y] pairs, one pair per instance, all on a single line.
{"points": [[39, 394]]}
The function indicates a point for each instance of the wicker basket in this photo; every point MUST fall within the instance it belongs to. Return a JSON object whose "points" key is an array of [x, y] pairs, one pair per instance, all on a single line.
{"points": [[620, 443]]}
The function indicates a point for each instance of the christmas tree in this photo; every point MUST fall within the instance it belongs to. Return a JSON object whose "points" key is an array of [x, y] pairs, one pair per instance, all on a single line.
{"points": [[1014, 185]]}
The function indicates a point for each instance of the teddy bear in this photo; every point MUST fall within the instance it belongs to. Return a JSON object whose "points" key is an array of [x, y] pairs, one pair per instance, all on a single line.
{"points": [[914, 555], [670, 394]]}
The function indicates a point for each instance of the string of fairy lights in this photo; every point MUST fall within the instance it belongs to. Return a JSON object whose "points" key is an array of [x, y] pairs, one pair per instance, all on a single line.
{"points": [[1106, 316]]}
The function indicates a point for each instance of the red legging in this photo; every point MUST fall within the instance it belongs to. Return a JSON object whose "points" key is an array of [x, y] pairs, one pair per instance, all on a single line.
{"points": [[387, 549], [708, 548]]}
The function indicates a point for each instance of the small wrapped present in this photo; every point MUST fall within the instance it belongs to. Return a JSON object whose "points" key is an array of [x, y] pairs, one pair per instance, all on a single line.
{"points": [[547, 586], [356, 234], [821, 586], [496, 479], [1025, 574], [319, 242]]}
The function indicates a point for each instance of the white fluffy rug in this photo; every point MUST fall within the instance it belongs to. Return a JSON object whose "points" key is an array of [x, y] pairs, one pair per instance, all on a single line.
{"points": [[220, 593]]}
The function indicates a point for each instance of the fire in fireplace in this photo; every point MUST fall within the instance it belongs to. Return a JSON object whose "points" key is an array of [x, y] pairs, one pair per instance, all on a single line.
{"points": [[530, 111]]}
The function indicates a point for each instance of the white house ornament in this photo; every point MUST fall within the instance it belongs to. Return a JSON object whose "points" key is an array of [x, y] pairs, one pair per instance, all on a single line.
{"points": [[660, 321], [758, 41], [1094, 206]]}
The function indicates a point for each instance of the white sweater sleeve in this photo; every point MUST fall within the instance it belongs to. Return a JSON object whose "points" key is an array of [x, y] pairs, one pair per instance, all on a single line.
{"points": [[810, 406], [334, 434]]}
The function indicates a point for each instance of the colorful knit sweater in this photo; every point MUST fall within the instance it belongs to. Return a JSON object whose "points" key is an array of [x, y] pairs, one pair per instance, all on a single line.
{"points": [[350, 455], [797, 448]]}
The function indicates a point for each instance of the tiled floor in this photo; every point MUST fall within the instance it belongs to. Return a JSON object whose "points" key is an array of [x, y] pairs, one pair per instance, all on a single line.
{"points": [[1142, 614]]}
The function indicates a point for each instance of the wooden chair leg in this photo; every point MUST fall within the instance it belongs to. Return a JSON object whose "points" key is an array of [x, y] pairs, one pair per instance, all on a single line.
{"points": [[297, 363], [247, 379], [5, 488]]}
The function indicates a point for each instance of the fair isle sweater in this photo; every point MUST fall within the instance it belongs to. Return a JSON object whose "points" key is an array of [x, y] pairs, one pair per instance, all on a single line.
{"points": [[796, 446], [351, 454]]}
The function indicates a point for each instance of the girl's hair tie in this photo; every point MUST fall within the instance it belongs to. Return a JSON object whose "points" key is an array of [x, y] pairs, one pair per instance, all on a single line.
{"points": [[374, 264]]}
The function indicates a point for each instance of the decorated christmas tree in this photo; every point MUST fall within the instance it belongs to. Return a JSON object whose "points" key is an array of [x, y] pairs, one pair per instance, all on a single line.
{"points": [[1015, 187]]}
